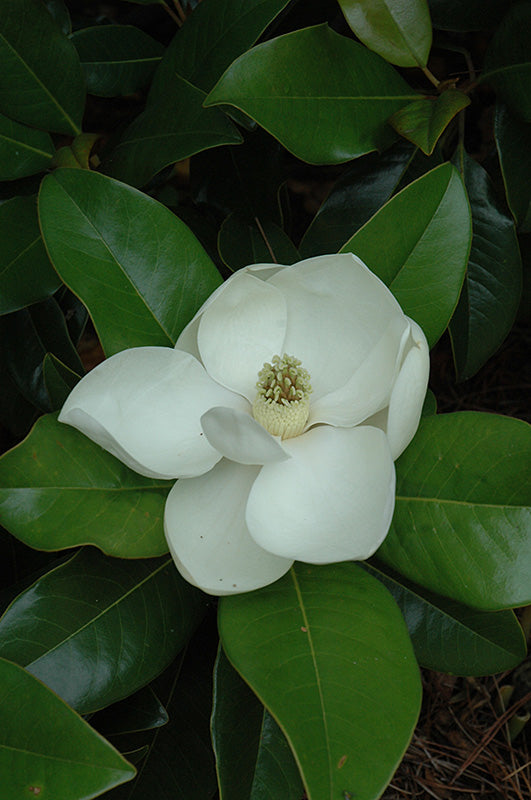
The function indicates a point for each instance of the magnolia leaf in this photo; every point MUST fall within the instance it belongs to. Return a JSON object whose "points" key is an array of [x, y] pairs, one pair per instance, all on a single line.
{"points": [[418, 244], [23, 151], [93, 610], [474, 15], [491, 291], [243, 241], [423, 120], [463, 510], [46, 748], [139, 270], [512, 140], [35, 56], [141, 711], [398, 30], [326, 98], [76, 154], [450, 637], [59, 489], [327, 652], [59, 380]]}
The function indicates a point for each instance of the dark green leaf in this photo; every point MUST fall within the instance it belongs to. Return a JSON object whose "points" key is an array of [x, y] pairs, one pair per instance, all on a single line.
{"points": [[418, 244], [474, 15], [512, 140], [61, 490], [450, 637], [491, 291], [126, 620], [508, 61], [59, 380], [26, 274], [76, 154], [327, 652], [46, 748], [244, 241], [462, 517], [17, 414], [139, 270], [23, 151], [430, 404], [357, 195], [116, 59], [35, 57], [398, 30], [424, 120], [141, 711], [253, 758], [326, 98], [59, 12]]}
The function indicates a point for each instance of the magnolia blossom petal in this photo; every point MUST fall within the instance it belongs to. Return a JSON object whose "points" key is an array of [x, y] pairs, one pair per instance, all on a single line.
{"points": [[144, 406], [369, 388], [337, 310], [204, 521], [241, 329], [332, 501], [240, 437], [409, 391]]}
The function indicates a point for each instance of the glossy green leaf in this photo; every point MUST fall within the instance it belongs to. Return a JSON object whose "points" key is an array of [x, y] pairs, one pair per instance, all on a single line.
{"points": [[139, 270], [244, 241], [23, 151], [418, 244], [116, 59], [474, 15], [355, 197], [462, 517], [46, 749], [17, 414], [327, 652], [106, 627], [26, 274], [450, 637], [141, 711], [59, 380], [59, 12], [424, 120], [59, 490], [491, 291], [253, 758], [326, 98], [508, 61], [430, 404], [512, 141], [398, 30], [35, 57]]}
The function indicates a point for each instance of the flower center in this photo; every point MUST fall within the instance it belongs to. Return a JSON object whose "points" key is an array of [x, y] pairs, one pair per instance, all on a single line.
{"points": [[282, 403]]}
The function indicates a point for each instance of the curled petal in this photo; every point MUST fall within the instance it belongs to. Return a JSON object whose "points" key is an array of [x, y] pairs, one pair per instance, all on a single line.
{"points": [[204, 521], [332, 501], [239, 437], [337, 311], [239, 330], [144, 406]]}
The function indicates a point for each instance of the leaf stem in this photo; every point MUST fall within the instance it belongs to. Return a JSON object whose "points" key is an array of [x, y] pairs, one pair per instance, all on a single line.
{"points": [[431, 77], [173, 15], [264, 237]]}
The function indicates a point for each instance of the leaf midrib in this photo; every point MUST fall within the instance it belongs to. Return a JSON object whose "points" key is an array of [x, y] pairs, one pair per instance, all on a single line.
{"points": [[452, 501]]}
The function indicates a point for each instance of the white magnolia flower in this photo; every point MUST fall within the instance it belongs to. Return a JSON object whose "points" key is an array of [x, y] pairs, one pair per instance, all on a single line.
{"points": [[276, 463]]}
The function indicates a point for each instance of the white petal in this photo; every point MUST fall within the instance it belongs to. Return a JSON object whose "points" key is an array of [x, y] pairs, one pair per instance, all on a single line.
{"points": [[409, 391], [332, 501], [337, 311], [144, 405], [206, 532], [369, 388], [240, 437], [240, 330]]}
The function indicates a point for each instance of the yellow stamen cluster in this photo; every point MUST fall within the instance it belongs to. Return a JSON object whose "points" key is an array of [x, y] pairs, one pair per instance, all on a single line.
{"points": [[282, 404]]}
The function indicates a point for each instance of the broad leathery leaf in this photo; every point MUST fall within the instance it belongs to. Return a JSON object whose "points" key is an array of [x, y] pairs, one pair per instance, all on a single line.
{"points": [[60, 14], [493, 282], [450, 637], [508, 61], [16, 413], [23, 151], [141, 711], [169, 130], [59, 380], [126, 620], [139, 270], [46, 749], [355, 197], [26, 275], [326, 98], [398, 30], [59, 489], [35, 57], [243, 241], [424, 120], [253, 758], [474, 15], [327, 652], [512, 141], [116, 59], [462, 516], [418, 244]]}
